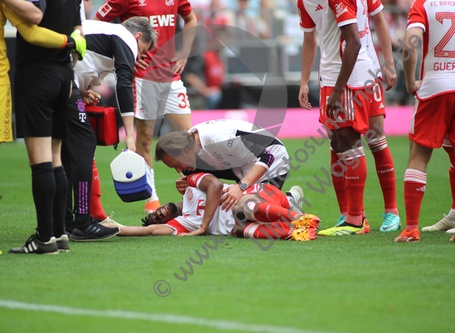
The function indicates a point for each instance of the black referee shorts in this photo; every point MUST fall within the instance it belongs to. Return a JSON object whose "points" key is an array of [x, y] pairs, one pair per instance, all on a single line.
{"points": [[41, 96]]}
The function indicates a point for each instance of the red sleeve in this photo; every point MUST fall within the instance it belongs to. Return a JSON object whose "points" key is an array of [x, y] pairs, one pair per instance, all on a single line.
{"points": [[374, 6], [345, 11], [194, 178], [112, 9], [417, 16], [306, 22], [253, 189], [184, 8]]}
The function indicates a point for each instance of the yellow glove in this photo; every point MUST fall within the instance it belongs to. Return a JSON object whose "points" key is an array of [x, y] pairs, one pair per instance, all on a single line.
{"points": [[77, 43]]}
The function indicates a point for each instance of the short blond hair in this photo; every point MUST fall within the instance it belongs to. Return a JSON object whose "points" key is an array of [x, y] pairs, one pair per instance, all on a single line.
{"points": [[173, 143], [137, 24]]}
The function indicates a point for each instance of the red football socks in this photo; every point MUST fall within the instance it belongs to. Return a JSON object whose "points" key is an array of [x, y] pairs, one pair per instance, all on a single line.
{"points": [[386, 173], [96, 209], [339, 182], [449, 150], [265, 212], [263, 231], [414, 189], [356, 175]]}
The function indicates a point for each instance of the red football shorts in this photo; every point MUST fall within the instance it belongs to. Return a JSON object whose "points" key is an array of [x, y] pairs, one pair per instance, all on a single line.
{"points": [[270, 194], [377, 106], [432, 120], [355, 113]]}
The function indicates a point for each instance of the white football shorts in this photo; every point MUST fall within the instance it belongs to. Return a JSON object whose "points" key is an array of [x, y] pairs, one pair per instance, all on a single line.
{"points": [[153, 100]]}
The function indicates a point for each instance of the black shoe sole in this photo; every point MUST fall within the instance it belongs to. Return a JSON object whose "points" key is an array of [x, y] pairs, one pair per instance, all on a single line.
{"points": [[91, 238], [56, 252]]}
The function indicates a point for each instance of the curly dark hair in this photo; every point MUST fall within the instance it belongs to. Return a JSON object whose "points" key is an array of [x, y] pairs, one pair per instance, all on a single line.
{"points": [[148, 220]]}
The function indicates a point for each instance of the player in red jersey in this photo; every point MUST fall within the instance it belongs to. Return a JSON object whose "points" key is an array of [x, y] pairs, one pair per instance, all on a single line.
{"points": [[200, 213], [158, 88], [434, 23], [311, 15]]}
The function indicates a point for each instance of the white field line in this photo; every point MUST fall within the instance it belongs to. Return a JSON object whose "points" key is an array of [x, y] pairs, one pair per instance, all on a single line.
{"points": [[156, 317]]}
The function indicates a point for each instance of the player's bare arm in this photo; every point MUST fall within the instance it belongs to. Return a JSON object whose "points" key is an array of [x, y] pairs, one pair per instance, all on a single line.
{"points": [[410, 61], [350, 34], [124, 88], [188, 38], [26, 10], [233, 193], [153, 223], [150, 230], [130, 141], [382, 31], [214, 188], [309, 48]]}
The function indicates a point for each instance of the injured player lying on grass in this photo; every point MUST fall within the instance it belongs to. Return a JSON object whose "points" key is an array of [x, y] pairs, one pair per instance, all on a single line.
{"points": [[201, 213]]}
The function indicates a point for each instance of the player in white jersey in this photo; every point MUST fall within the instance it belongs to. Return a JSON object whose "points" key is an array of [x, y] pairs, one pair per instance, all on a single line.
{"points": [[311, 16], [345, 100], [200, 213], [434, 23], [311, 22], [251, 154], [343, 71]]}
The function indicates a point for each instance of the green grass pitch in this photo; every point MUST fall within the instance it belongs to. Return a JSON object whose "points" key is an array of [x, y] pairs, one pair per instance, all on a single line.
{"points": [[364, 283]]}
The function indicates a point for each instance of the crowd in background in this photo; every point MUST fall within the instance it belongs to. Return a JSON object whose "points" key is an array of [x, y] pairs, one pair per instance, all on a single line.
{"points": [[213, 74]]}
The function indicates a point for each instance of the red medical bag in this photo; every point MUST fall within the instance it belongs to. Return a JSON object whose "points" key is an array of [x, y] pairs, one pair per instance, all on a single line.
{"points": [[104, 124]]}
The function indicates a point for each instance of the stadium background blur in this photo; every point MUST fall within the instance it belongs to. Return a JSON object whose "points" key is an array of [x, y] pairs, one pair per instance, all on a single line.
{"points": [[276, 22]]}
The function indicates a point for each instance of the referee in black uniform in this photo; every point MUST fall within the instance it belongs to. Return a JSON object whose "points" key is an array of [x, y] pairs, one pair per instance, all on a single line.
{"points": [[42, 88]]}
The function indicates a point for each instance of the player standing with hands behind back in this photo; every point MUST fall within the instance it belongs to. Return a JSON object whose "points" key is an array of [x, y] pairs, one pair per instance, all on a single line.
{"points": [[157, 86]]}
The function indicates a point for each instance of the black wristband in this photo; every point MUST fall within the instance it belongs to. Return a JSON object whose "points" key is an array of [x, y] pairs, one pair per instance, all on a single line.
{"points": [[70, 43]]}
